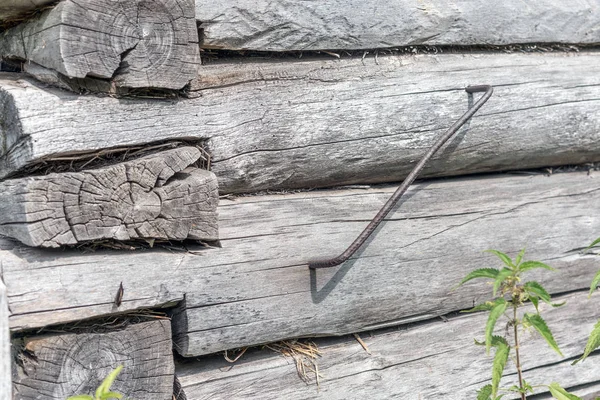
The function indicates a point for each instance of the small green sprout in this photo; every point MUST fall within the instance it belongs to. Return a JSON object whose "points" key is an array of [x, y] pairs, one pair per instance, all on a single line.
{"points": [[103, 391]]}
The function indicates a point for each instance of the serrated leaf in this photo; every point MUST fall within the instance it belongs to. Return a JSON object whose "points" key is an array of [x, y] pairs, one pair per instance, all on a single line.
{"points": [[502, 275], [487, 306], [535, 301], [529, 265], [108, 381], [561, 394], [595, 283], [81, 397], [495, 313], [479, 273], [539, 324], [505, 259], [535, 289], [111, 395], [520, 257], [500, 358], [485, 393], [592, 344]]}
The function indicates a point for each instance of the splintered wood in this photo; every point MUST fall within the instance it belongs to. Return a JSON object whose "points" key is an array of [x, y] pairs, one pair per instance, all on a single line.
{"points": [[5, 345], [66, 364], [160, 196], [133, 44]]}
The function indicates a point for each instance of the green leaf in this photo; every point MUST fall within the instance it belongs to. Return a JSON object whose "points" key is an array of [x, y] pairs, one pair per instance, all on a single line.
{"points": [[539, 324], [81, 397], [495, 313], [595, 283], [535, 301], [561, 394], [487, 306], [485, 393], [520, 257], [592, 344], [111, 395], [594, 243], [479, 273], [505, 259], [108, 381], [535, 289], [502, 275], [500, 358], [529, 265]]}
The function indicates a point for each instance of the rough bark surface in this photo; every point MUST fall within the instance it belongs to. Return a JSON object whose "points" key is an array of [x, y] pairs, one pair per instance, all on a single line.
{"points": [[257, 287], [5, 354], [61, 365], [435, 360], [11, 10], [133, 44], [370, 24], [315, 123], [161, 196]]}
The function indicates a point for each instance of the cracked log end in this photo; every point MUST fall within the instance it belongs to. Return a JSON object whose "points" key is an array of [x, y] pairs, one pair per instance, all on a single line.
{"points": [[128, 43], [63, 365], [161, 196]]}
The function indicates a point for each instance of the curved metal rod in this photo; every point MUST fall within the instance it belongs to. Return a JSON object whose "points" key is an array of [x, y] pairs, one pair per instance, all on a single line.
{"points": [[389, 205]]}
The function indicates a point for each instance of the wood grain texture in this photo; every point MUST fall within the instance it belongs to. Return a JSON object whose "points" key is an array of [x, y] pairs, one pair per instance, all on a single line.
{"points": [[371, 24], [316, 123], [257, 287], [161, 196], [61, 365], [436, 360], [15, 9], [133, 44], [5, 348]]}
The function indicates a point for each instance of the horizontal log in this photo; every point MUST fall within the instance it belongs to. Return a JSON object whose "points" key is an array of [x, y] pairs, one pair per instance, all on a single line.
{"points": [[333, 122], [257, 287], [161, 196], [135, 44], [60, 365], [436, 360], [371, 24], [11, 11], [5, 354]]}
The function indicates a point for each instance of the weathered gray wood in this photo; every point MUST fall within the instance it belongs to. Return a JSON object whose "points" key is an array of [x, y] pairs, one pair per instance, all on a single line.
{"points": [[257, 287], [160, 196], [5, 355], [370, 24], [61, 365], [437, 360], [13, 10], [134, 44], [321, 123]]}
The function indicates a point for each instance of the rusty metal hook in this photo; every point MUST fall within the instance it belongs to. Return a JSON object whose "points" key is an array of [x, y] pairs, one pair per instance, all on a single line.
{"points": [[389, 205]]}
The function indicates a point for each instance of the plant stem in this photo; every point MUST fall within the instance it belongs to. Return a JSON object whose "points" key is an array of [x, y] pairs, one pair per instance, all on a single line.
{"points": [[515, 324]]}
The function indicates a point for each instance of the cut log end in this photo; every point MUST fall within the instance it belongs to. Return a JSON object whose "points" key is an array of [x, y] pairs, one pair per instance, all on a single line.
{"points": [[63, 365], [135, 44], [161, 196]]}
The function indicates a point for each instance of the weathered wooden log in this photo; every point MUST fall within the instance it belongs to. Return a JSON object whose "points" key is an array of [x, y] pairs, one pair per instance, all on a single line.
{"points": [[133, 44], [57, 366], [436, 360], [322, 123], [161, 196], [371, 24], [257, 287], [11, 11], [5, 354]]}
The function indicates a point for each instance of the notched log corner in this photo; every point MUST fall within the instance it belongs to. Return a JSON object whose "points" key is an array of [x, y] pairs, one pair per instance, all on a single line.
{"points": [[56, 366], [160, 196], [132, 44]]}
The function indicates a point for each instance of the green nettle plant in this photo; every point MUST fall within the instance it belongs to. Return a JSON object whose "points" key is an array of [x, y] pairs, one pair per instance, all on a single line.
{"points": [[103, 391], [594, 339], [509, 293]]}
